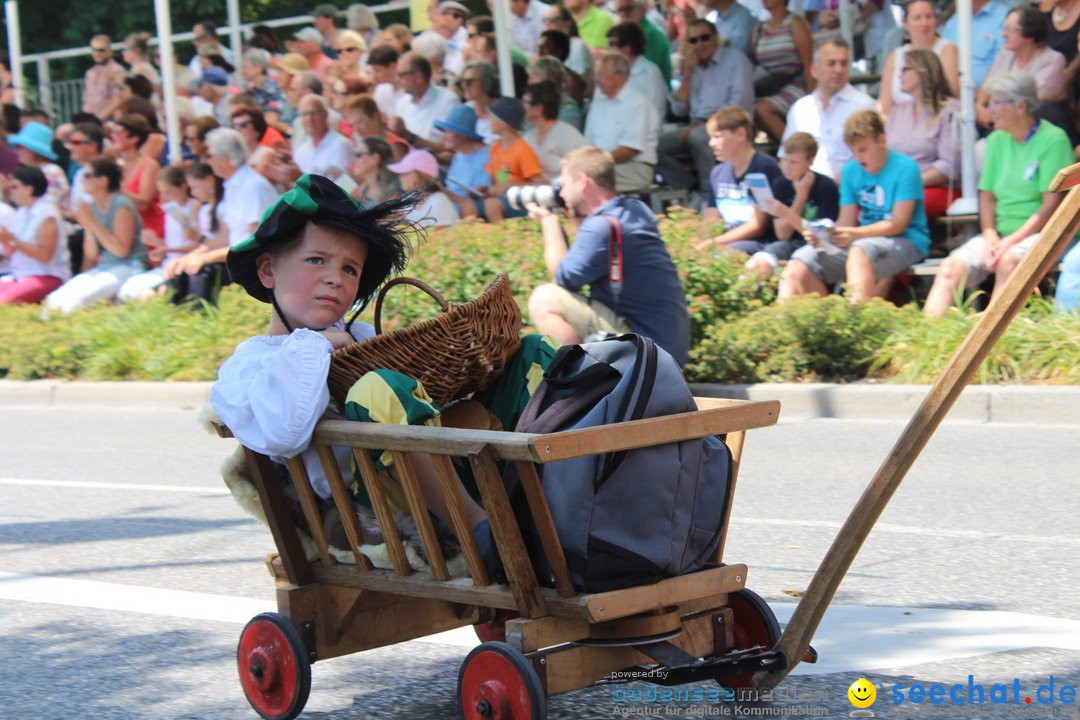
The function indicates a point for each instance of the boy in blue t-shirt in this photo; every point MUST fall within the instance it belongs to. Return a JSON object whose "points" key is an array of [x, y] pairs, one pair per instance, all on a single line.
{"points": [[466, 180], [816, 198], [881, 228], [747, 227]]}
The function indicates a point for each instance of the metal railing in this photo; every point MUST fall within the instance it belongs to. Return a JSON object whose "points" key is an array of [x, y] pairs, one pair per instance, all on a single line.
{"points": [[63, 98]]}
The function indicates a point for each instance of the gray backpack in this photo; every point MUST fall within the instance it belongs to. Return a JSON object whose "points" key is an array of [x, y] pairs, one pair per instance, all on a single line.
{"points": [[632, 517]]}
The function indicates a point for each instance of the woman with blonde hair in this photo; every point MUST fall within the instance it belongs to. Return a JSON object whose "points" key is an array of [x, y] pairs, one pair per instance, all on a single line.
{"points": [[924, 128], [350, 48], [136, 54]]}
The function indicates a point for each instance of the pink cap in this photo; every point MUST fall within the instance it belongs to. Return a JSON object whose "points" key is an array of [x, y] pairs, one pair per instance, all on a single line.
{"points": [[418, 160]]}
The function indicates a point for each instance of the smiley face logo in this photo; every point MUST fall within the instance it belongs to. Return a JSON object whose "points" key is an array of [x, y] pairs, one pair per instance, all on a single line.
{"points": [[861, 693]]}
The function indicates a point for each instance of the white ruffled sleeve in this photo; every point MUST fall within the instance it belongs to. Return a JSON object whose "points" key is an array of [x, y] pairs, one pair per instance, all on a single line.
{"points": [[272, 391]]}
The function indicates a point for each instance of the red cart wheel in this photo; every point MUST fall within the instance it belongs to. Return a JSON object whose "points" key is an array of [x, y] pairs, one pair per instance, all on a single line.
{"points": [[496, 682], [274, 668], [755, 625]]}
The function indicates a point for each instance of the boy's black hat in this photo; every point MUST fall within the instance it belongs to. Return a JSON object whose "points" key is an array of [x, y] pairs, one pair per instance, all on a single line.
{"points": [[318, 199]]}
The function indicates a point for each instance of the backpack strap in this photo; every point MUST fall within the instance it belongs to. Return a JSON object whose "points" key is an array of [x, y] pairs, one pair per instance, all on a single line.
{"points": [[615, 257], [640, 387], [542, 415]]}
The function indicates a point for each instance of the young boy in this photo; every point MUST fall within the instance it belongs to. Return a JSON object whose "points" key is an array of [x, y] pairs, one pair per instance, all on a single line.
{"points": [[512, 162], [881, 228], [747, 227], [316, 253], [816, 198]]}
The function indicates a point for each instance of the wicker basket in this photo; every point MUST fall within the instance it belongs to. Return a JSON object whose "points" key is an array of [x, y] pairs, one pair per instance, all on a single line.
{"points": [[456, 353]]}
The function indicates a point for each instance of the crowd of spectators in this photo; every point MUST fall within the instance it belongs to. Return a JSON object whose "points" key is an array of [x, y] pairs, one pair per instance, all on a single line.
{"points": [[748, 107]]}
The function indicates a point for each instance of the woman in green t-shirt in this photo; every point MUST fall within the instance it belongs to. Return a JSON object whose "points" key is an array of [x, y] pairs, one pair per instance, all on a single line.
{"points": [[1023, 155]]}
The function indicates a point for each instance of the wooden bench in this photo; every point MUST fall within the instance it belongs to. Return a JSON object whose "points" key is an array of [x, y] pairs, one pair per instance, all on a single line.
{"points": [[569, 639]]}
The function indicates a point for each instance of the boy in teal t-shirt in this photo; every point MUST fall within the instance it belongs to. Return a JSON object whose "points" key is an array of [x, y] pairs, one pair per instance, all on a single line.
{"points": [[881, 228]]}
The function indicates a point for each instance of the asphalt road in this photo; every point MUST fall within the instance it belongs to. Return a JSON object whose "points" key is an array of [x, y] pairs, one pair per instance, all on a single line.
{"points": [[126, 573]]}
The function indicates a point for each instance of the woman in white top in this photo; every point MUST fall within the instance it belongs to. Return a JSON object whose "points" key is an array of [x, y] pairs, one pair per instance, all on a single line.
{"points": [[35, 244], [921, 27], [550, 137]]}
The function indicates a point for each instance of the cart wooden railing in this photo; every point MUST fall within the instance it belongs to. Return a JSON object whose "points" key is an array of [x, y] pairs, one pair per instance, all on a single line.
{"points": [[345, 608]]}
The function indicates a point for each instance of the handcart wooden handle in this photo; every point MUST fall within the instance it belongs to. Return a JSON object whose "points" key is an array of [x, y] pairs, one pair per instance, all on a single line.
{"points": [[1054, 239]]}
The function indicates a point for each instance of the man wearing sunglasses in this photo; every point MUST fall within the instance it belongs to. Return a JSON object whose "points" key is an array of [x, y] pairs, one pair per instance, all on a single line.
{"points": [[713, 77], [101, 80]]}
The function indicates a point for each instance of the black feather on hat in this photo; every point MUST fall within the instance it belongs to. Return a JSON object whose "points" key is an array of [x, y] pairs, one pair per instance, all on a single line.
{"points": [[320, 200]]}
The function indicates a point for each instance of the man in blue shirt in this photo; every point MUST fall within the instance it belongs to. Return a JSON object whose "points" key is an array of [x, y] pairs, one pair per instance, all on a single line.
{"points": [[649, 301], [881, 228], [988, 17]]}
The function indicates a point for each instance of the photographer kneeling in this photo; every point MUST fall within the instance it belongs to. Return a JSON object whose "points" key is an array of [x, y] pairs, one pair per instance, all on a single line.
{"points": [[649, 300]]}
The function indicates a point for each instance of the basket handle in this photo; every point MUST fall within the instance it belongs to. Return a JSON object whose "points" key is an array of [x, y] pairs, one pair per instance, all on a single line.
{"points": [[405, 281]]}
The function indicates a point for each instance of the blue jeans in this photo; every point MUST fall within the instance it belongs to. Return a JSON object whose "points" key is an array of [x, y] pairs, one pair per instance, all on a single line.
{"points": [[1068, 288]]}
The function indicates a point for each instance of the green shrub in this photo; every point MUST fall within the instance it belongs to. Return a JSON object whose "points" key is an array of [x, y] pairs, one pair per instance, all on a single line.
{"points": [[1040, 346], [807, 338], [738, 333]]}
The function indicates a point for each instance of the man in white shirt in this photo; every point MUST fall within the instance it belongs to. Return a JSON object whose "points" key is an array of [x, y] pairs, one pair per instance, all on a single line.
{"points": [[324, 150], [622, 122], [645, 77], [247, 195], [383, 61], [303, 84], [424, 104], [823, 112], [526, 24]]}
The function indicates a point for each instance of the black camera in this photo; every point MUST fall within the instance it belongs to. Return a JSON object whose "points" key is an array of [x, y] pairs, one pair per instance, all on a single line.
{"points": [[546, 196]]}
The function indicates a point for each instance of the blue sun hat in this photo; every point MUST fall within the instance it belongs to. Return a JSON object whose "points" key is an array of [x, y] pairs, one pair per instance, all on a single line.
{"points": [[462, 120], [35, 137]]}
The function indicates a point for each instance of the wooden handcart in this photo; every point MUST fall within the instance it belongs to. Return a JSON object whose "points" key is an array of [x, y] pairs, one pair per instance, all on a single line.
{"points": [[703, 625]]}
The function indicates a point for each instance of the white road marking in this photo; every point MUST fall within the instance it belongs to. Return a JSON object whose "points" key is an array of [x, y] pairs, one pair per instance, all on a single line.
{"points": [[130, 598], [850, 638], [92, 485], [914, 530]]}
